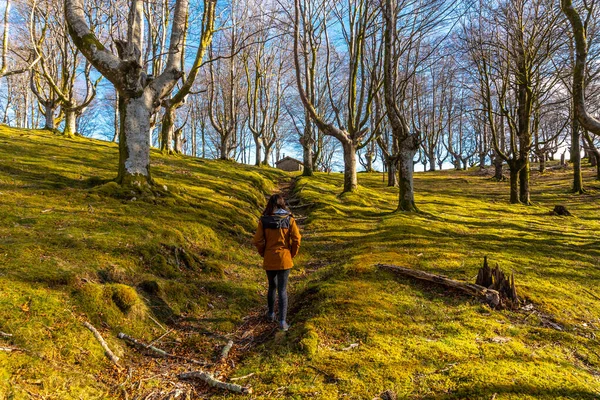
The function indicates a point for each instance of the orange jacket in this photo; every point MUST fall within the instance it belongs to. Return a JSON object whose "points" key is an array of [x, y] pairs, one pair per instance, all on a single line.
{"points": [[278, 246]]}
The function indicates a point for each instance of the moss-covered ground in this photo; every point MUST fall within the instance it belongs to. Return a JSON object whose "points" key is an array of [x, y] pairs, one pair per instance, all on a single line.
{"points": [[359, 331], [75, 247]]}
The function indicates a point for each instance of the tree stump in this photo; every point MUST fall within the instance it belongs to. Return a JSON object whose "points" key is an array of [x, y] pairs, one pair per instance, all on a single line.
{"points": [[561, 211], [495, 279]]}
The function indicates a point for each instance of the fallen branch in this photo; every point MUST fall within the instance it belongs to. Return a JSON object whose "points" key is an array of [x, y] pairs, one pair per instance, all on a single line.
{"points": [[161, 337], [239, 378], [208, 378], [226, 350], [155, 350], [490, 296], [4, 334], [10, 349], [142, 346], [111, 356]]}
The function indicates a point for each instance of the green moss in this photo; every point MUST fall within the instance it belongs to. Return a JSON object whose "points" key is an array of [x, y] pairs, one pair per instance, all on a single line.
{"points": [[310, 341], [74, 244], [368, 330], [125, 297], [151, 286], [90, 40], [113, 274]]}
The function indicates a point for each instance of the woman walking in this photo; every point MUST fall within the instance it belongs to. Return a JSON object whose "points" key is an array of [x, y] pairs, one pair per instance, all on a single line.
{"points": [[277, 240]]}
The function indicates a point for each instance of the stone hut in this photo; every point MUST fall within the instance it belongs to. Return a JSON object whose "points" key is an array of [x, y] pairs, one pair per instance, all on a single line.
{"points": [[290, 164]]}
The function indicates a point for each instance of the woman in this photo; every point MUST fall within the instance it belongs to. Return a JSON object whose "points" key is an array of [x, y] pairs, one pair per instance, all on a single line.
{"points": [[277, 240]]}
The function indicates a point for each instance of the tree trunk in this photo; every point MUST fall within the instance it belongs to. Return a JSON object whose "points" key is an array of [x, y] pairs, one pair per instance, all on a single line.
{"points": [[178, 141], [406, 169], [258, 144], [369, 159], [392, 172], [117, 119], [307, 147], [167, 130], [134, 140], [592, 158], [576, 157], [431, 162], [49, 109], [70, 123], [224, 147], [268, 151], [514, 184], [498, 168], [350, 177], [542, 164], [524, 176]]}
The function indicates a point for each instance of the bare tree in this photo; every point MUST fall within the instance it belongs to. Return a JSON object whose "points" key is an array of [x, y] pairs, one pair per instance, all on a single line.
{"points": [[169, 136], [356, 21], [406, 29], [30, 60], [139, 94], [510, 44], [59, 69], [579, 28]]}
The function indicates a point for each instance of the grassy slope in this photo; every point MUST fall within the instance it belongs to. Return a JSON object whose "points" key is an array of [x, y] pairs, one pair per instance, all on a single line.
{"points": [[425, 342], [70, 251]]}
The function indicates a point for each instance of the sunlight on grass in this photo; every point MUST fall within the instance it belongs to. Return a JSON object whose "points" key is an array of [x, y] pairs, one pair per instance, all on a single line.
{"points": [[423, 341], [71, 252]]}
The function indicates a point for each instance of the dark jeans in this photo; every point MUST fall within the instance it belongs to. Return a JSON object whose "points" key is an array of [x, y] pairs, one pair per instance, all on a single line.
{"points": [[278, 281]]}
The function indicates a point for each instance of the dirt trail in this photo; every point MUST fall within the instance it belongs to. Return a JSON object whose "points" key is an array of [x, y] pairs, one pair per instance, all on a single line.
{"points": [[255, 330]]}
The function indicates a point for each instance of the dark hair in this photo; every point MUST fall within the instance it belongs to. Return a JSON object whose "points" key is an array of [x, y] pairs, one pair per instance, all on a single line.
{"points": [[276, 201]]}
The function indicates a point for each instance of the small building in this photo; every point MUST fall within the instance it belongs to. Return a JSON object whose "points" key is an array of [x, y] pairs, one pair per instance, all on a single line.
{"points": [[289, 164]]}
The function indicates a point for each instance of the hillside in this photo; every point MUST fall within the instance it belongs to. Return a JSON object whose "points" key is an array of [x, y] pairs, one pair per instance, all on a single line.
{"points": [[75, 248], [360, 331]]}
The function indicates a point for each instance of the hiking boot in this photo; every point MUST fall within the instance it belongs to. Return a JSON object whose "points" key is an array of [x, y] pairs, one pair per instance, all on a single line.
{"points": [[270, 316], [283, 326]]}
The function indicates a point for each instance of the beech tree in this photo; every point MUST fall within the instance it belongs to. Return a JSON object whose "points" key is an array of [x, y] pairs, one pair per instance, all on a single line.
{"points": [[579, 29], [352, 106], [56, 76], [139, 93], [510, 43], [30, 58], [406, 28], [171, 138]]}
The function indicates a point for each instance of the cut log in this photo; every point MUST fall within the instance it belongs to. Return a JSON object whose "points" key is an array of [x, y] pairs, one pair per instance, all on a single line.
{"points": [[490, 296], [208, 378], [107, 351]]}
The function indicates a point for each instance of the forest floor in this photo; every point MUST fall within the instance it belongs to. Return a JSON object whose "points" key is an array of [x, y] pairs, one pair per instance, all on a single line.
{"points": [[179, 271]]}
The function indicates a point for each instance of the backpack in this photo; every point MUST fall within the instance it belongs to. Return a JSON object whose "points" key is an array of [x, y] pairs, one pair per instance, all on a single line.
{"points": [[276, 222]]}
